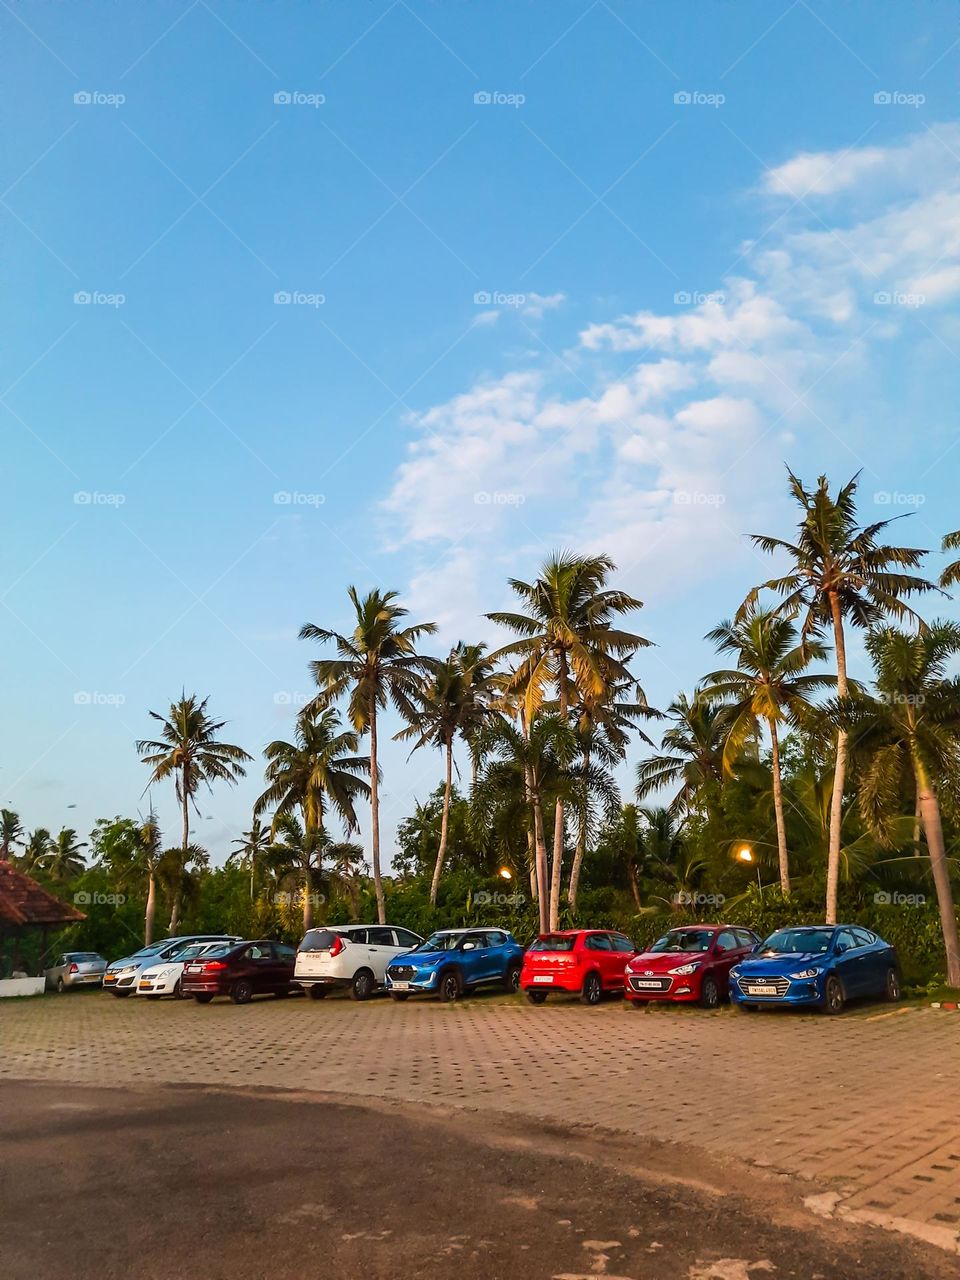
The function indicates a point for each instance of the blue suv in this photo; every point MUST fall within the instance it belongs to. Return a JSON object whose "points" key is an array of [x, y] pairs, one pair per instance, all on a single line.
{"points": [[454, 961]]}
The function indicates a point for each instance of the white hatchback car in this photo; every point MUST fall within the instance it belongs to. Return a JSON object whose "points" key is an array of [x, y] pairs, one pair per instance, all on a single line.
{"points": [[349, 955], [163, 978]]}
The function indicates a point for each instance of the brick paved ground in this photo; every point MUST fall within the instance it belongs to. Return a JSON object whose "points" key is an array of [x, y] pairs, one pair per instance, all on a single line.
{"points": [[866, 1104]]}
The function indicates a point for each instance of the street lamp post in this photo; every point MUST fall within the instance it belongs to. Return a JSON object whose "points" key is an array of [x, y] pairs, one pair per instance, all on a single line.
{"points": [[745, 854]]}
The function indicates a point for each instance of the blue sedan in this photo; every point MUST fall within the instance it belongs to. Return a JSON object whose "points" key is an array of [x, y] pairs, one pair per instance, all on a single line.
{"points": [[454, 961], [819, 965]]}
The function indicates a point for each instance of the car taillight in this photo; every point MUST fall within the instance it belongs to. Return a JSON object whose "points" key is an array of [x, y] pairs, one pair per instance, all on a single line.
{"points": [[74, 968], [336, 946], [213, 965]]}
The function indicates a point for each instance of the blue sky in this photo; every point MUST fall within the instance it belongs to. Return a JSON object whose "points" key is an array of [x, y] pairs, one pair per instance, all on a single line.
{"points": [[562, 274]]}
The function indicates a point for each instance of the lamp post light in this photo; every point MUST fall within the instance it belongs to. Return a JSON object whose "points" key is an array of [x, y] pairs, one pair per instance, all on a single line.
{"points": [[745, 854], [505, 873]]}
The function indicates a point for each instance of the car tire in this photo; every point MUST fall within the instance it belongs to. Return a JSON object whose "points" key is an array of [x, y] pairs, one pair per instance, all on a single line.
{"points": [[833, 995], [511, 979], [709, 992], [363, 985], [204, 998], [891, 988], [318, 993], [536, 997], [177, 992], [450, 987], [241, 992], [61, 985], [592, 992], [399, 995]]}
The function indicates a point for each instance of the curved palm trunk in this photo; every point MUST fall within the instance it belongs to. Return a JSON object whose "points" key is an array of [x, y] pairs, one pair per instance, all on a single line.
{"points": [[839, 772], [778, 812], [581, 844], [150, 915], [375, 815], [556, 867], [933, 829], [444, 824]]}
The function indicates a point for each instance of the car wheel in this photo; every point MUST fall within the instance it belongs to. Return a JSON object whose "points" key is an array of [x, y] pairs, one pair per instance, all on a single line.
{"points": [[833, 997], [450, 988], [709, 993], [891, 990], [536, 997], [399, 995], [511, 979], [363, 985], [61, 985], [204, 998], [318, 993], [592, 990], [241, 992]]}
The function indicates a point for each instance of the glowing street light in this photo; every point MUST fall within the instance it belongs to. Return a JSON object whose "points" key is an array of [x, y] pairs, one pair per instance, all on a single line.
{"points": [[745, 855], [505, 873]]}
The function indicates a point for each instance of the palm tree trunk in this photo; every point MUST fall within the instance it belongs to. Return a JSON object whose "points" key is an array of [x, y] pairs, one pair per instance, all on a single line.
{"points": [[185, 844], [933, 829], [556, 868], [375, 814], [917, 817], [839, 772], [634, 887], [307, 898], [542, 891], [444, 822], [581, 843], [150, 915], [778, 812]]}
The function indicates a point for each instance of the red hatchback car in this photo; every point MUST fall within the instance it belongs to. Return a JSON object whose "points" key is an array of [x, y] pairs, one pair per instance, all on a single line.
{"points": [[584, 962], [690, 963], [241, 971]]}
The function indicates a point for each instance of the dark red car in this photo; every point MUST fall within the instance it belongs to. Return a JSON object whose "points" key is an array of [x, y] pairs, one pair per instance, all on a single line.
{"points": [[584, 962], [690, 963], [240, 970]]}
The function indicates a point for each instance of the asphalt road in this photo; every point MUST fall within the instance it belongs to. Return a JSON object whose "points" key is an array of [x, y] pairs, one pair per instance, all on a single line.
{"points": [[173, 1182]]}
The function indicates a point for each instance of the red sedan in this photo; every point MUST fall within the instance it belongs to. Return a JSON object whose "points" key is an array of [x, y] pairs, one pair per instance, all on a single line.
{"points": [[584, 962], [691, 963], [240, 971]]}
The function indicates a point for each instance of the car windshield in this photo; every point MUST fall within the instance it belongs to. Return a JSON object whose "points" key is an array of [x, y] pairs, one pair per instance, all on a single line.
{"points": [[153, 950], [797, 942], [684, 940], [441, 942], [553, 942]]}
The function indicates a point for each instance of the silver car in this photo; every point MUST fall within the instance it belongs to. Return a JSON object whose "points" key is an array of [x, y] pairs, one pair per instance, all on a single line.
{"points": [[76, 969]]}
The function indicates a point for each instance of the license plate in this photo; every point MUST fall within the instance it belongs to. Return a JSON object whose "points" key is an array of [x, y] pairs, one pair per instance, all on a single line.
{"points": [[650, 983], [543, 977], [400, 986], [761, 991], [110, 978]]}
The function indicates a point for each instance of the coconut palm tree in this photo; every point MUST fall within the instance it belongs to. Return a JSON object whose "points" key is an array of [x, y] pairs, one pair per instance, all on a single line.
{"points": [[691, 754], [769, 686], [250, 848], [315, 773], [841, 572], [568, 643], [132, 852], [64, 861], [189, 751], [295, 856], [346, 864], [951, 574], [664, 853], [376, 664], [37, 846], [913, 724], [11, 832]]}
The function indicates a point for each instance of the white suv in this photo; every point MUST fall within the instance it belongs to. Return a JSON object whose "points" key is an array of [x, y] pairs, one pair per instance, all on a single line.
{"points": [[349, 955]]}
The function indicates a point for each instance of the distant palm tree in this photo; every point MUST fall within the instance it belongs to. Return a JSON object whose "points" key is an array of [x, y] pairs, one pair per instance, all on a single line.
{"points": [[951, 574], [840, 572], [769, 687], [376, 664], [346, 867], [691, 754], [251, 847], [664, 852], [913, 723], [64, 861], [132, 852], [189, 751], [568, 642], [38, 845], [295, 857], [11, 832], [318, 771]]}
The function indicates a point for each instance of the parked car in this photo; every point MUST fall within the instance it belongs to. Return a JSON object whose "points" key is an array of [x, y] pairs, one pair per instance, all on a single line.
{"points": [[121, 977], [584, 962], [163, 978], [241, 971], [350, 955], [76, 969], [455, 961], [691, 964], [820, 965]]}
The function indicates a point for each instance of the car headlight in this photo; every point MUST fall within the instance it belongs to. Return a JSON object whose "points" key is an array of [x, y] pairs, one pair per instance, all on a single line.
{"points": [[734, 973], [807, 973], [687, 968]]}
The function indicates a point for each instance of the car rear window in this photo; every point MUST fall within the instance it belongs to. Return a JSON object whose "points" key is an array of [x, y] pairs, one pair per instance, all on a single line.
{"points": [[216, 953], [321, 939], [553, 942]]}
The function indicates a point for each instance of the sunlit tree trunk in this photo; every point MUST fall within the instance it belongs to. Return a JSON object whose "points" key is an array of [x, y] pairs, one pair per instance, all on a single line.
{"points": [[150, 915], [444, 824], [581, 840], [933, 829], [778, 812], [375, 813], [839, 772], [556, 869]]}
